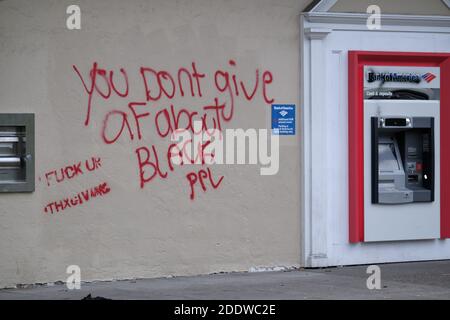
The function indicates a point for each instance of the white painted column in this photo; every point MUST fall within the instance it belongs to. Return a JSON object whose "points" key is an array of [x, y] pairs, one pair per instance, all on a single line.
{"points": [[317, 182]]}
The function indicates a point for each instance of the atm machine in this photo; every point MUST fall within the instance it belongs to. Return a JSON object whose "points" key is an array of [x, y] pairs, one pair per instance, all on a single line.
{"points": [[402, 159], [401, 112]]}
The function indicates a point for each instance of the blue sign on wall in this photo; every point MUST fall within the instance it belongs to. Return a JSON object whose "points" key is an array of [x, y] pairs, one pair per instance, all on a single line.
{"points": [[283, 119]]}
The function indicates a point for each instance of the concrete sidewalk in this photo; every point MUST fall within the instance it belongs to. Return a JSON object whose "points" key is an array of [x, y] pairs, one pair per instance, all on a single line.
{"points": [[419, 280]]}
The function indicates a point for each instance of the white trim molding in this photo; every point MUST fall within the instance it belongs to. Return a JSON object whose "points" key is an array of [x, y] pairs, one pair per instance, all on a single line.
{"points": [[338, 19], [326, 5], [447, 3], [317, 33], [323, 6]]}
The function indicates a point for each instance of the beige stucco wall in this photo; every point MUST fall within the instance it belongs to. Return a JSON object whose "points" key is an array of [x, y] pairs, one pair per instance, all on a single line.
{"points": [[417, 7], [248, 221]]}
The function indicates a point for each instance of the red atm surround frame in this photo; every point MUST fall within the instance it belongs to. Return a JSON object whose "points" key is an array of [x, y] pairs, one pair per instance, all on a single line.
{"points": [[356, 62]]}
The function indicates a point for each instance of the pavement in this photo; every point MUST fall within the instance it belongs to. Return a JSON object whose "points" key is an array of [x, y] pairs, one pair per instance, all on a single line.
{"points": [[418, 280]]}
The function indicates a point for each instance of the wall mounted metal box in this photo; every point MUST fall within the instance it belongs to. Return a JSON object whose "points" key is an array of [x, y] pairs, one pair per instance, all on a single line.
{"points": [[16, 152]]}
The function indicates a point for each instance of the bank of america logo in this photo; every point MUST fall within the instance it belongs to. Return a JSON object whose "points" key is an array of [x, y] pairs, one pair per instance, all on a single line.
{"points": [[428, 77]]}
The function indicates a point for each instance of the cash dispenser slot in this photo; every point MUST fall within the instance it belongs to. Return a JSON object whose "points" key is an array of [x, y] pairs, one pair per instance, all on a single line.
{"points": [[16, 152], [12, 154]]}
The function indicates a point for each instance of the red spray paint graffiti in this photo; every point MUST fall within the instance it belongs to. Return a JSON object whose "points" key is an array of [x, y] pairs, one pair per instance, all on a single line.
{"points": [[156, 108], [80, 198], [68, 172], [72, 171]]}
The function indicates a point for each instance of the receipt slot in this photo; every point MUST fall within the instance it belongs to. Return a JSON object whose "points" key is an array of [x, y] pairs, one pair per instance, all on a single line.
{"points": [[17, 152], [402, 159]]}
